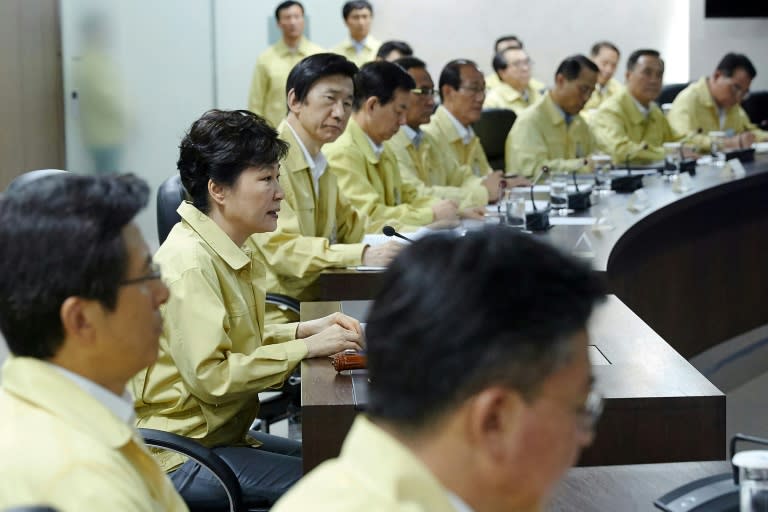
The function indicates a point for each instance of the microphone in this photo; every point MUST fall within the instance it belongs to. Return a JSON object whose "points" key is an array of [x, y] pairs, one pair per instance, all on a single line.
{"points": [[538, 220], [629, 183], [578, 200], [390, 231]]}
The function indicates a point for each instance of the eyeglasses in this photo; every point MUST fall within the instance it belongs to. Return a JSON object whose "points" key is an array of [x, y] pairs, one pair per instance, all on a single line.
{"points": [[520, 63], [424, 91], [154, 273], [739, 91], [473, 90], [592, 410]]}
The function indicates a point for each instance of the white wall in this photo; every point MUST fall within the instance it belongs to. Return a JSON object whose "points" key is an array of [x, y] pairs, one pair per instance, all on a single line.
{"points": [[710, 39]]}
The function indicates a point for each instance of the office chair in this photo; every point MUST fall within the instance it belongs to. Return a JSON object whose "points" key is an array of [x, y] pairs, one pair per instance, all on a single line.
{"points": [[30, 176], [492, 129], [669, 92], [282, 403], [756, 107], [208, 459]]}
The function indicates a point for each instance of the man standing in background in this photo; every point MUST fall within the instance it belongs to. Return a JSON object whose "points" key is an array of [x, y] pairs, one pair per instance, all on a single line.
{"points": [[267, 96], [361, 46]]}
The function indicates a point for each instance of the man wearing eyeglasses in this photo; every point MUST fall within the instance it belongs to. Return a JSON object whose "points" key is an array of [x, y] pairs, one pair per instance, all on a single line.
{"points": [[418, 155], [714, 104], [79, 308], [552, 133], [507, 403], [516, 90]]}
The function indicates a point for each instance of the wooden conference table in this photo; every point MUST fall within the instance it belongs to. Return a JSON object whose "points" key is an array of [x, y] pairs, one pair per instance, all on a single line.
{"points": [[658, 408]]}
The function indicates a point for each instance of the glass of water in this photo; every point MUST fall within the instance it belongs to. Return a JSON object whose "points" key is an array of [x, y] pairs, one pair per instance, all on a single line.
{"points": [[717, 145], [558, 193], [672, 159], [601, 163], [515, 208]]}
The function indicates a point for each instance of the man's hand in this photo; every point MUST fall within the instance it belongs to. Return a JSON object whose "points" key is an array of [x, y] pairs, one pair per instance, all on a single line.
{"points": [[491, 182], [445, 210], [381, 255], [312, 327], [476, 213], [518, 181], [333, 340], [740, 141]]}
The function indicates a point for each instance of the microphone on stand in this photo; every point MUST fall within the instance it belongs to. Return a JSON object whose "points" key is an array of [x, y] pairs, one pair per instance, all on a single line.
{"points": [[538, 220], [631, 182], [390, 231], [578, 201]]}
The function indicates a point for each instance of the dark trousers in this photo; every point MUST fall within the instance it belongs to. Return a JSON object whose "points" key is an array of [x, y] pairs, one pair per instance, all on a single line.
{"points": [[265, 473]]}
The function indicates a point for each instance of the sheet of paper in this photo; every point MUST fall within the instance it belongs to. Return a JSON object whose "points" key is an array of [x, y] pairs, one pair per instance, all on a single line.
{"points": [[556, 220]]}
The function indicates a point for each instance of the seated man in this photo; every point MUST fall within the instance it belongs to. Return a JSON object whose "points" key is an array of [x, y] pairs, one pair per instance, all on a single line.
{"points": [[714, 104], [501, 44], [462, 90], [630, 126], [367, 170], [80, 313], [390, 51], [418, 155], [318, 228], [516, 89], [361, 46], [491, 408], [267, 94], [215, 353], [552, 133], [606, 55]]}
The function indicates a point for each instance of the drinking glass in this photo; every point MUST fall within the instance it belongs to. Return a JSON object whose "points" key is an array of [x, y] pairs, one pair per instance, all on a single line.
{"points": [[671, 160], [558, 193], [717, 145], [515, 209], [601, 163]]}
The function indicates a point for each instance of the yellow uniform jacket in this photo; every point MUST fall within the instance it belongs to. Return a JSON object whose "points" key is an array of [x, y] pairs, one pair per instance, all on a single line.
{"points": [[694, 113], [61, 447], [214, 355], [314, 231], [267, 97], [434, 174], [373, 183], [449, 142], [612, 88], [367, 54], [623, 131], [540, 137], [503, 95], [374, 472]]}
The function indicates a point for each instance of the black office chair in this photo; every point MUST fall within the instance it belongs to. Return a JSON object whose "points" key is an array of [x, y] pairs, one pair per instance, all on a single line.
{"points": [[208, 459], [30, 176], [285, 402], [669, 92], [492, 129], [756, 107]]}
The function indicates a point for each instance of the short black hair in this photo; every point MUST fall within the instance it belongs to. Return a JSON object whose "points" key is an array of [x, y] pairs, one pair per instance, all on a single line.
{"points": [[61, 237], [220, 146], [451, 74], [635, 56], [410, 62], [733, 61], [503, 39], [388, 47], [380, 79], [499, 61], [355, 4], [603, 44], [571, 66], [286, 5], [315, 67], [459, 314]]}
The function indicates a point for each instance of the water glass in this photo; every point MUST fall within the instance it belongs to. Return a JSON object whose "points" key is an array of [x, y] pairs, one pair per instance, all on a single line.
{"points": [[717, 146], [558, 193], [672, 158], [515, 209], [753, 480], [601, 164]]}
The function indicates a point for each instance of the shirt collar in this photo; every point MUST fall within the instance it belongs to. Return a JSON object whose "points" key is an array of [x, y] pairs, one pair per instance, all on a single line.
{"points": [[465, 133], [214, 236], [643, 110], [415, 136], [120, 406], [459, 504], [317, 165], [377, 148], [359, 46], [567, 117]]}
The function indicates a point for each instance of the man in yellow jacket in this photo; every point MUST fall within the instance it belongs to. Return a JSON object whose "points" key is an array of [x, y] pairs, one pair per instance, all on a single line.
{"points": [[630, 126], [318, 228], [606, 55], [418, 155], [552, 133], [366, 169], [216, 354], [80, 314], [516, 89], [501, 44], [714, 104], [361, 46], [513, 405], [267, 95]]}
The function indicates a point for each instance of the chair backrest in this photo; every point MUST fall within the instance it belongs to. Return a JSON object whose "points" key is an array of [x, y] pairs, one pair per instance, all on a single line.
{"points": [[669, 92], [756, 107], [29, 177], [492, 128], [169, 196]]}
